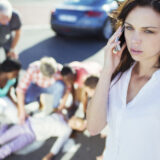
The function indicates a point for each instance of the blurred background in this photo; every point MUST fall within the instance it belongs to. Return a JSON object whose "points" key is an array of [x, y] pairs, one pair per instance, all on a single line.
{"points": [[38, 39], [74, 30]]}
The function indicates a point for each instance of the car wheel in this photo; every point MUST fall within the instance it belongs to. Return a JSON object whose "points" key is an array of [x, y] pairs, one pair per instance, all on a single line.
{"points": [[59, 34], [107, 30]]}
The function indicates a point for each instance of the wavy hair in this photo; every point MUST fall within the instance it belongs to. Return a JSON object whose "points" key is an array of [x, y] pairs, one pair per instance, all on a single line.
{"points": [[120, 16]]}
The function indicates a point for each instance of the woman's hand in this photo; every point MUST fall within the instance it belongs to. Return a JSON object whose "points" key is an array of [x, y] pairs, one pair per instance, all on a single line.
{"points": [[112, 59]]}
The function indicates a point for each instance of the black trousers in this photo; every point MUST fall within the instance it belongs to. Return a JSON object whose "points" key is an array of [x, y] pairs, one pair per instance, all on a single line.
{"points": [[7, 46]]}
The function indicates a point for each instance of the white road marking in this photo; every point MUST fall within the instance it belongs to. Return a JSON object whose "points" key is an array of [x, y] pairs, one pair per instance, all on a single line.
{"points": [[71, 152]]}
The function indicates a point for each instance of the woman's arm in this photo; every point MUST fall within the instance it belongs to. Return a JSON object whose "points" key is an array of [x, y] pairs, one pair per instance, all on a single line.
{"points": [[96, 111], [97, 108]]}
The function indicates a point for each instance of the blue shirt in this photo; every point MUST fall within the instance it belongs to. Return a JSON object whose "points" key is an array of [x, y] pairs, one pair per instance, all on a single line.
{"points": [[4, 91]]}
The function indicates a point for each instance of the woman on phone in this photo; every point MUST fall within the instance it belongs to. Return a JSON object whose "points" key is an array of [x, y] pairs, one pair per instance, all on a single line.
{"points": [[127, 96]]}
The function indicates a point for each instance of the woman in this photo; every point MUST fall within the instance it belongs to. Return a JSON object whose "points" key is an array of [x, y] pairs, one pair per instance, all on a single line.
{"points": [[127, 94], [9, 70]]}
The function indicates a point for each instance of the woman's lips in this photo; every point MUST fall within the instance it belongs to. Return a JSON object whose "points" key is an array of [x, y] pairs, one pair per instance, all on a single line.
{"points": [[136, 52]]}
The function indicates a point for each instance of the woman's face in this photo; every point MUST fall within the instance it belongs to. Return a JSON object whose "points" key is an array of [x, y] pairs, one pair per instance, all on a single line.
{"points": [[13, 74], [142, 34]]}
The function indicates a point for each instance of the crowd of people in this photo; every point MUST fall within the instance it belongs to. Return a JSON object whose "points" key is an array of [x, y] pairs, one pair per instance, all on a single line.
{"points": [[126, 98], [49, 100], [68, 89], [61, 93]]}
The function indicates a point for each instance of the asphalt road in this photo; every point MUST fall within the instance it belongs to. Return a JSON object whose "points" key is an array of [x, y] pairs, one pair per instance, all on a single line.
{"points": [[39, 40]]}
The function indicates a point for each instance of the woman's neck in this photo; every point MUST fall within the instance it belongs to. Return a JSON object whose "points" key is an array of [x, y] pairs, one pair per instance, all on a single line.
{"points": [[144, 69]]}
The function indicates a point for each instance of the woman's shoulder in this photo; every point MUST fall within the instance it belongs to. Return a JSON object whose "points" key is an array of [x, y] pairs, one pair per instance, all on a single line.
{"points": [[125, 73], [116, 79], [120, 77]]}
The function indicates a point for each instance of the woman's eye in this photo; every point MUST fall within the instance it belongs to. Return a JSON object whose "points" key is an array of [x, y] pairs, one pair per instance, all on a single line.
{"points": [[128, 28], [148, 31]]}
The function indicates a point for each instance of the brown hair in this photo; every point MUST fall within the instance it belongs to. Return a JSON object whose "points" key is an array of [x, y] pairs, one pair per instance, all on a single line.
{"points": [[120, 15], [91, 82]]}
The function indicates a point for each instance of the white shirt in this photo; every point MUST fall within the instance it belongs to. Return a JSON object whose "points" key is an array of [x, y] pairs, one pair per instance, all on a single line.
{"points": [[134, 128], [48, 126], [8, 111]]}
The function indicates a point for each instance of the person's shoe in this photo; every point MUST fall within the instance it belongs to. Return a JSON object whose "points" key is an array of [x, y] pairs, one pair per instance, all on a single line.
{"points": [[48, 156]]}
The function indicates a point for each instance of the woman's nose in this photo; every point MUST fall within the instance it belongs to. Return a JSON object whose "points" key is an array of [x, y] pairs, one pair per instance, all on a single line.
{"points": [[136, 39]]}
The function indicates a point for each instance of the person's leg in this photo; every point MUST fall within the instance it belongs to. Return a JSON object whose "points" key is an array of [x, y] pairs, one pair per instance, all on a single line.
{"points": [[11, 133], [62, 138], [18, 137], [3, 128], [57, 90], [7, 45], [15, 131], [58, 145], [59, 128], [16, 144], [33, 93]]}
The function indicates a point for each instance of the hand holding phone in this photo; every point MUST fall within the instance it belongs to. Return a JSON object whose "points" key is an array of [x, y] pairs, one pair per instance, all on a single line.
{"points": [[111, 59], [118, 47]]}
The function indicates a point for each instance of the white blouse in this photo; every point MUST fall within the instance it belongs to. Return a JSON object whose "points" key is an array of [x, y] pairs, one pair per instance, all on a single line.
{"points": [[134, 128]]}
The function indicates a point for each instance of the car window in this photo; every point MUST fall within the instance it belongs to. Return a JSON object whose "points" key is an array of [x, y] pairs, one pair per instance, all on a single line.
{"points": [[80, 2]]}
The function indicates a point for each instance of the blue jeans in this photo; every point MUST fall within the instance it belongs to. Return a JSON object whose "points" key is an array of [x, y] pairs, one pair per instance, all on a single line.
{"points": [[34, 91]]}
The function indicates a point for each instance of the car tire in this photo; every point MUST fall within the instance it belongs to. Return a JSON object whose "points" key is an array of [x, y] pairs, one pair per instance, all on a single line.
{"points": [[58, 34], [107, 29]]}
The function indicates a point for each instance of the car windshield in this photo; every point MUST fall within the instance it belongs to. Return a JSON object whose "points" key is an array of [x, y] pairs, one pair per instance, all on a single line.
{"points": [[80, 2]]}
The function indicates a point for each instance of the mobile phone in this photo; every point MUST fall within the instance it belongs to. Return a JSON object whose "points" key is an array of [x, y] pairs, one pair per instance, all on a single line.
{"points": [[121, 39]]}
